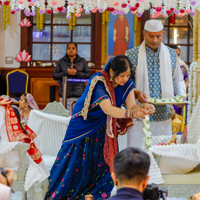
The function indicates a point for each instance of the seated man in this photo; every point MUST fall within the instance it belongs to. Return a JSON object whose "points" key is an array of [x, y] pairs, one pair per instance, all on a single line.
{"points": [[131, 168]]}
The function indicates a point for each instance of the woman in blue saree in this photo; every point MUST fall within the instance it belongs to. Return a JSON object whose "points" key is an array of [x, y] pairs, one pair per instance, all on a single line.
{"points": [[85, 160]]}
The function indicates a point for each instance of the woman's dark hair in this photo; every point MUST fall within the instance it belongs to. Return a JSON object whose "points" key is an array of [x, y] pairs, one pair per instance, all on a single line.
{"points": [[18, 117], [120, 64], [175, 47], [74, 45], [25, 96]]}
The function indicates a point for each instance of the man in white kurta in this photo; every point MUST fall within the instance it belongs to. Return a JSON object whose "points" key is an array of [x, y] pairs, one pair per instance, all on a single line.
{"points": [[158, 75]]}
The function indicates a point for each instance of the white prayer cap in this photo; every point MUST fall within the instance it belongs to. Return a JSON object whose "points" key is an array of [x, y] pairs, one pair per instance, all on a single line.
{"points": [[153, 25]]}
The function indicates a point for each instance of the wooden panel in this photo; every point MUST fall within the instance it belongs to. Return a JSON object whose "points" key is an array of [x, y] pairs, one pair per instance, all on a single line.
{"points": [[40, 91], [37, 77]]}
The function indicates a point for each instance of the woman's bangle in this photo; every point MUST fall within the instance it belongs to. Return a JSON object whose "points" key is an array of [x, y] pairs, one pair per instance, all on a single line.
{"points": [[127, 114]]}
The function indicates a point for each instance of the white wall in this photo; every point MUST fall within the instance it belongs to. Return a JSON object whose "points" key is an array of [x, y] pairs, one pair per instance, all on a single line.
{"points": [[10, 39]]}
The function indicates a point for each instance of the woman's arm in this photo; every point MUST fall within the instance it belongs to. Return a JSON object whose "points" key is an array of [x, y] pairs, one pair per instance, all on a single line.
{"points": [[5, 102], [131, 103], [115, 112]]}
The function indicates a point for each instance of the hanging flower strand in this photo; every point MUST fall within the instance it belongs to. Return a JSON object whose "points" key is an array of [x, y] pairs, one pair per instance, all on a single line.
{"points": [[41, 21], [8, 14], [38, 20], [4, 17]]}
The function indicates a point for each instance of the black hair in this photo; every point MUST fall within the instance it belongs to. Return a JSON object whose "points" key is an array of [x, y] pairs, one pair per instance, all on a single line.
{"points": [[74, 45], [18, 117], [120, 64], [131, 164], [25, 96], [175, 47]]}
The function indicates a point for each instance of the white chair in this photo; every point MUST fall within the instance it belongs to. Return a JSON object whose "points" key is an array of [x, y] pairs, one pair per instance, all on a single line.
{"points": [[50, 130], [18, 163], [56, 108]]}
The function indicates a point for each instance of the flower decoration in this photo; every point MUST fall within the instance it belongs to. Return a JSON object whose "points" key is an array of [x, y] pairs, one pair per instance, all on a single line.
{"points": [[146, 132], [113, 6], [25, 22], [23, 56]]}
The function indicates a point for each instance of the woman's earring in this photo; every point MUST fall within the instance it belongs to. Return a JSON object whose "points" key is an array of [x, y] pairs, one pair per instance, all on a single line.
{"points": [[111, 79]]}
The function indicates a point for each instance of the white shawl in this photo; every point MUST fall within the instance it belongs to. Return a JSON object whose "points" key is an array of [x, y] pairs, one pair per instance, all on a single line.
{"points": [[142, 79]]}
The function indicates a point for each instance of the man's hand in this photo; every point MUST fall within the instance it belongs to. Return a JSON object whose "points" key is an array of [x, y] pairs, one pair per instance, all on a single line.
{"points": [[5, 102], [71, 71], [141, 96]]}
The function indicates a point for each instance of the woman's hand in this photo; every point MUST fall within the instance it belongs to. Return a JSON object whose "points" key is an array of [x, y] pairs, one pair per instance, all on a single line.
{"points": [[5, 102], [71, 71], [150, 108], [139, 112]]}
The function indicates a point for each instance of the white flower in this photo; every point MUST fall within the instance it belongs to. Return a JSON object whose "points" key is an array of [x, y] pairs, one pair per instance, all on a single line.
{"points": [[144, 139], [146, 117], [148, 142], [148, 134], [147, 126], [145, 131]]}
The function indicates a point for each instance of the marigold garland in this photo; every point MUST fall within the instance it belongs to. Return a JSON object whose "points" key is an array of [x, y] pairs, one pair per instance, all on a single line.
{"points": [[6, 15], [105, 17], [40, 20], [72, 21], [135, 23]]}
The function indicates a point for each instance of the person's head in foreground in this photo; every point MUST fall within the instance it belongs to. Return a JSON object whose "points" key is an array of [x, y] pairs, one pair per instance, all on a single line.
{"points": [[131, 168], [153, 33], [27, 102], [120, 69]]}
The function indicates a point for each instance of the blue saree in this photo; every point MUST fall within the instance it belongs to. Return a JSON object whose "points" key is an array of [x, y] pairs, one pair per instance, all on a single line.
{"points": [[80, 168]]}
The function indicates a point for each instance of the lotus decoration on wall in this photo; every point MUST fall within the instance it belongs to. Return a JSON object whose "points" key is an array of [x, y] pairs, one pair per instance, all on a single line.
{"points": [[23, 56], [25, 23]]}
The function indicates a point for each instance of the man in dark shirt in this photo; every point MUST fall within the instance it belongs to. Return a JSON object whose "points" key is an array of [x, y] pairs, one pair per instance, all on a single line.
{"points": [[131, 169]]}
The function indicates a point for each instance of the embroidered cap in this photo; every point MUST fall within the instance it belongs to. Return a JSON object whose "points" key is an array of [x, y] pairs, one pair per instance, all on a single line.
{"points": [[153, 25]]}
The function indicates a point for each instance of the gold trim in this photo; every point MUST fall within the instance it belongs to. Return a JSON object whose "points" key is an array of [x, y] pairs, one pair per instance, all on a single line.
{"points": [[89, 95], [78, 136], [127, 90], [85, 109], [16, 70]]}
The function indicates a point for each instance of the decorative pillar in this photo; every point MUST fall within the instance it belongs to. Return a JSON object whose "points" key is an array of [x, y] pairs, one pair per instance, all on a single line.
{"points": [[104, 44], [197, 55], [195, 36]]}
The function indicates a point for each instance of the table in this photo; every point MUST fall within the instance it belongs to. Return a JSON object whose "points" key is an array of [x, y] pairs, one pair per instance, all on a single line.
{"points": [[52, 90]]}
